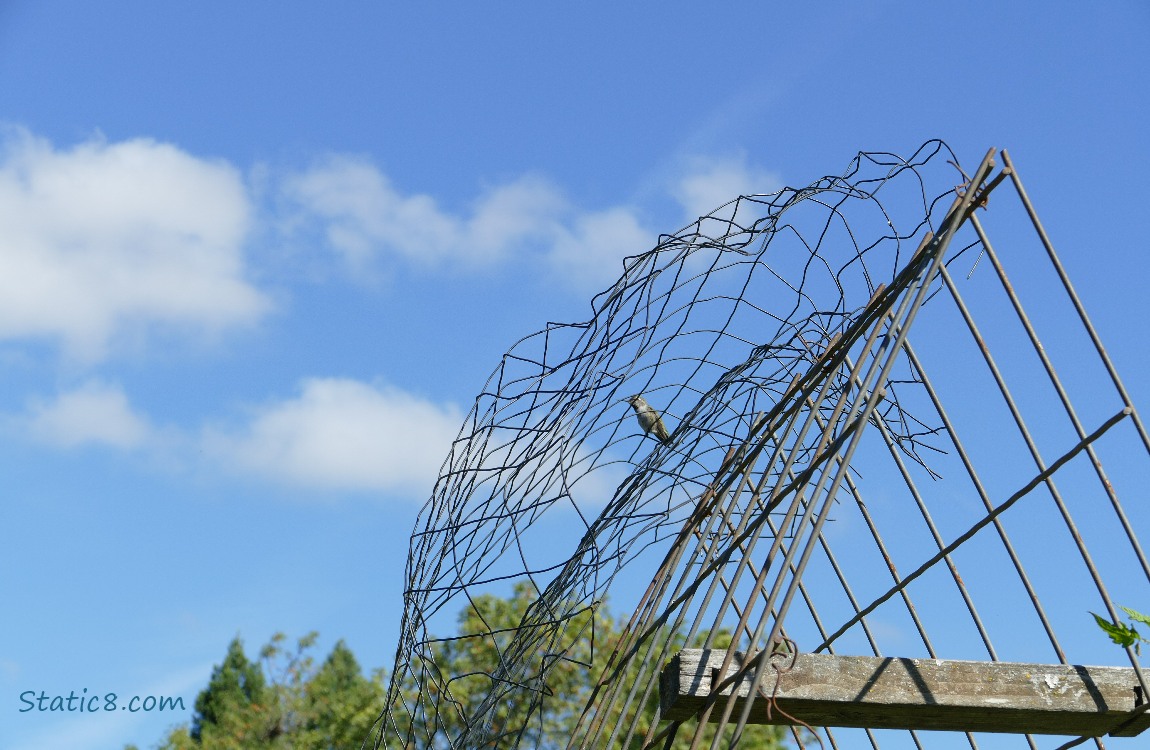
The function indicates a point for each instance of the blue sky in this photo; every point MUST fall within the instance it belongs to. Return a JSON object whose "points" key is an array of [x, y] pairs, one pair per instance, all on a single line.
{"points": [[257, 259]]}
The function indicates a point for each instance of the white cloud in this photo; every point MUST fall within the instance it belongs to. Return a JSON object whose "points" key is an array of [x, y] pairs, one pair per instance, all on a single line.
{"points": [[506, 217], [335, 433], [93, 413], [106, 236], [343, 434], [364, 213], [104, 240], [712, 182], [592, 250], [363, 217]]}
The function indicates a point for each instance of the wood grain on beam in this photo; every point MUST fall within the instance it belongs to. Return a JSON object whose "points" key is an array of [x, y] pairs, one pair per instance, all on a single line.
{"points": [[895, 693]]}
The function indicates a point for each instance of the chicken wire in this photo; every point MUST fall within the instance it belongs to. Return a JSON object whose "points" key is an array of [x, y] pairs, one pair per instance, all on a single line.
{"points": [[830, 483]]}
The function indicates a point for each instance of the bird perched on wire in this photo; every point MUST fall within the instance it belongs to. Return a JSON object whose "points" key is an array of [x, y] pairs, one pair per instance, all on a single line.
{"points": [[649, 419]]}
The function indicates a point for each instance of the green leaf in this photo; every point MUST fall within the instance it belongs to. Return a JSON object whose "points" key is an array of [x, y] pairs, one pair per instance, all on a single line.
{"points": [[1121, 634], [1136, 616]]}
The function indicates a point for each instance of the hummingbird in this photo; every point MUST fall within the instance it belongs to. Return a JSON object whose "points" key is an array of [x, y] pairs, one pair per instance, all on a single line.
{"points": [[649, 418]]}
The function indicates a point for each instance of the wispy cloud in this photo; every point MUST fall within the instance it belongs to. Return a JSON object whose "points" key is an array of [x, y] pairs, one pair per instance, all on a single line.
{"points": [[707, 183], [590, 251], [363, 215], [106, 236], [368, 221], [95, 413], [107, 239], [340, 433], [332, 434]]}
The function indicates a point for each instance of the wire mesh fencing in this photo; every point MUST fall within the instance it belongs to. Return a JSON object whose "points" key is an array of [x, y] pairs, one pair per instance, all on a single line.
{"points": [[872, 448]]}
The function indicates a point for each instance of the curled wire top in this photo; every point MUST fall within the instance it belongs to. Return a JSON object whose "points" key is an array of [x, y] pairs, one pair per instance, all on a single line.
{"points": [[710, 326]]}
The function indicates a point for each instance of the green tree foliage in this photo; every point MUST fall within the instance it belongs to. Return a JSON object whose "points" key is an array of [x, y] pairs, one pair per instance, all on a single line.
{"points": [[339, 704], [236, 689], [548, 712], [561, 684], [284, 701]]}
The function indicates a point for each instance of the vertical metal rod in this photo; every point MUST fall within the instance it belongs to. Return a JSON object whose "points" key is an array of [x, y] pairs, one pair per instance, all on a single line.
{"points": [[641, 636], [905, 596], [920, 503], [749, 549], [784, 472], [624, 650], [742, 469], [854, 427], [883, 430], [798, 487], [853, 488]]}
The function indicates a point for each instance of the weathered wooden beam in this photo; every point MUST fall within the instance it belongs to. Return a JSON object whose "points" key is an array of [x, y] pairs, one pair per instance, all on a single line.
{"points": [[893, 693]]}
